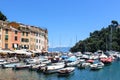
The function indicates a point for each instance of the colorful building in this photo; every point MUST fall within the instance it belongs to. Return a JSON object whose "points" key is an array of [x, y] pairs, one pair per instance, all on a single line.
{"points": [[20, 36]]}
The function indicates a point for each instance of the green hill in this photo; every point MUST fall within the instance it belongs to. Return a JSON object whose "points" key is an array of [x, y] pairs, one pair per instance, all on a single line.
{"points": [[105, 39]]}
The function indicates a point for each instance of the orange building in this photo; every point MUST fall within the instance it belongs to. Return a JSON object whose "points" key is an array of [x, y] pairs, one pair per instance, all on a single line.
{"points": [[15, 38], [10, 37]]}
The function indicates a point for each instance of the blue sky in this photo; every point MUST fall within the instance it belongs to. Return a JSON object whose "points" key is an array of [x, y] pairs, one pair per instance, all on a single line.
{"points": [[67, 21]]}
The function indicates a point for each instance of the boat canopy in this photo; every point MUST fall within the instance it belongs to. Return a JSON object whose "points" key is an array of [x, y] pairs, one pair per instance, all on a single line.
{"points": [[72, 58], [64, 57]]}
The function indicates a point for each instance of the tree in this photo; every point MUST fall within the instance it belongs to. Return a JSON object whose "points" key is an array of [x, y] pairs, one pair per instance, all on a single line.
{"points": [[114, 23], [2, 16]]}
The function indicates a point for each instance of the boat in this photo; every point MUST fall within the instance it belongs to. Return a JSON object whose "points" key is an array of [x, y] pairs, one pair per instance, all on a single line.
{"points": [[52, 68], [33, 61], [9, 60], [6, 63], [55, 60], [22, 66], [73, 63], [3, 61], [10, 65], [83, 65], [13, 60], [90, 61], [66, 71], [45, 61], [106, 60], [96, 66], [36, 67]]}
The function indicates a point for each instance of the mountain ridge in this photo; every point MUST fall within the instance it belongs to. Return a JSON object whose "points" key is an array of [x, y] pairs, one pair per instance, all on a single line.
{"points": [[59, 49]]}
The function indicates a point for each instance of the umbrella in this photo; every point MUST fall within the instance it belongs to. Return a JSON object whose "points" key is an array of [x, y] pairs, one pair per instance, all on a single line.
{"points": [[22, 52]]}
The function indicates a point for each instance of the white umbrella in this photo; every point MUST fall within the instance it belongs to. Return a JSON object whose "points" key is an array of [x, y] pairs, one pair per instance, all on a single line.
{"points": [[6, 51], [22, 52]]}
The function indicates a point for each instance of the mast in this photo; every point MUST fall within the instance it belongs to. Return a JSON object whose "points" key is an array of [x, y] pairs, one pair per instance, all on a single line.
{"points": [[60, 43], [76, 38], [111, 37]]}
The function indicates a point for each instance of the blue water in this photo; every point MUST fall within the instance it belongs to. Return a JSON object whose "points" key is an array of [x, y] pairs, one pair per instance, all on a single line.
{"points": [[109, 72]]}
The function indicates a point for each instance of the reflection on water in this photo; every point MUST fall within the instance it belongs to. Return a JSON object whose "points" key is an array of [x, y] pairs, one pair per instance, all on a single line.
{"points": [[111, 72]]}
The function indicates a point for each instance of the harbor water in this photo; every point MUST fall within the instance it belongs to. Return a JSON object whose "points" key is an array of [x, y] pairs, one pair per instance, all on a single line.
{"points": [[109, 72]]}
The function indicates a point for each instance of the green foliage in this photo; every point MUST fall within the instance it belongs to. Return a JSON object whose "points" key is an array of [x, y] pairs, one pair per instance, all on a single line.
{"points": [[2, 16], [105, 39]]}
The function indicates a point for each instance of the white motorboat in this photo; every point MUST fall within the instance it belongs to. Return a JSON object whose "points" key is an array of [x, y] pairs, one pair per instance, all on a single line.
{"points": [[36, 67], [10, 65], [22, 66], [66, 71], [74, 63], [83, 65], [3, 61], [33, 61], [96, 66], [53, 68]]}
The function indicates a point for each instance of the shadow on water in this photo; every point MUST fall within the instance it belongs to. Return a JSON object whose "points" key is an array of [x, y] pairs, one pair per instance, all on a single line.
{"points": [[65, 75]]}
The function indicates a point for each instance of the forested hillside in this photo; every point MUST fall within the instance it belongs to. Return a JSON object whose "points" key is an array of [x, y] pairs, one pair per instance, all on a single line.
{"points": [[106, 39]]}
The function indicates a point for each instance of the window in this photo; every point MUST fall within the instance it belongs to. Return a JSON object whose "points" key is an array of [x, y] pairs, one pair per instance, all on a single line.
{"points": [[6, 37], [22, 39], [15, 38], [16, 32], [39, 47], [36, 47], [36, 40], [26, 33], [23, 33], [6, 31], [26, 40], [6, 46]]}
